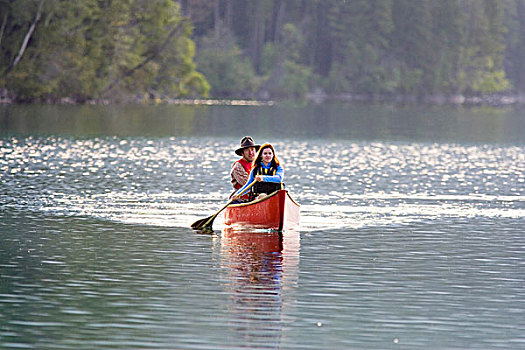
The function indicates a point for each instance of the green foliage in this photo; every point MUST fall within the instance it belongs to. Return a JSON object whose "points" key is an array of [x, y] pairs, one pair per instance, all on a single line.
{"points": [[119, 49], [295, 81], [481, 69], [270, 58], [229, 73], [285, 75], [515, 40], [490, 82], [90, 49], [363, 29]]}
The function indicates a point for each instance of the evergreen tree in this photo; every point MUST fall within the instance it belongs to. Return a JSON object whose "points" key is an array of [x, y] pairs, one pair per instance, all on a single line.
{"points": [[516, 49], [120, 48], [90, 49], [448, 41], [482, 60], [412, 43], [229, 72], [361, 31]]}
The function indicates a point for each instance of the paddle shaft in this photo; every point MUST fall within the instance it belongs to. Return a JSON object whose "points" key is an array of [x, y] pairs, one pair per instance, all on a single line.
{"points": [[201, 223], [240, 194]]}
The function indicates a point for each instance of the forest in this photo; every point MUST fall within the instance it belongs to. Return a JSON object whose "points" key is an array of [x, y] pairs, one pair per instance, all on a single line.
{"points": [[88, 51]]}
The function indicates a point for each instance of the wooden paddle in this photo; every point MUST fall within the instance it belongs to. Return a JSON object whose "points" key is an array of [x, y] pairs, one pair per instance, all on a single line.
{"points": [[206, 223]]}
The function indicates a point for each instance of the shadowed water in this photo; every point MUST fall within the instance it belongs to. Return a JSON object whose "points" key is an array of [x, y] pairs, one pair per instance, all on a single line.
{"points": [[409, 238]]}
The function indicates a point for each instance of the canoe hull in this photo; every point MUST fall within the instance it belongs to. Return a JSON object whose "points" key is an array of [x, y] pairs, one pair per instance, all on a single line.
{"points": [[277, 211]]}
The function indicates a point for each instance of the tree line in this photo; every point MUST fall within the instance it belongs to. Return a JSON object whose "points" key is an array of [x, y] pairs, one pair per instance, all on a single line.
{"points": [[96, 49], [117, 49]]}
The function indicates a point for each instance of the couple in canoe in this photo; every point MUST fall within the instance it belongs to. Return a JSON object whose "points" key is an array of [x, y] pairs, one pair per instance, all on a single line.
{"points": [[258, 165]]}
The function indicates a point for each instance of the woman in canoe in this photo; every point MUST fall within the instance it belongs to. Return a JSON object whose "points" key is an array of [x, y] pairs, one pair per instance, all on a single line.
{"points": [[266, 171]]}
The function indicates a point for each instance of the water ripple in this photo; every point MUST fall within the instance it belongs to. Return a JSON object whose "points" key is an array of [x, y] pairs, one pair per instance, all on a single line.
{"points": [[173, 182], [401, 244]]}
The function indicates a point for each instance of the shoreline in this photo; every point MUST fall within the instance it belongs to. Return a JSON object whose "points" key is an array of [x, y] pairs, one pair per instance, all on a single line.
{"points": [[495, 100], [317, 97]]}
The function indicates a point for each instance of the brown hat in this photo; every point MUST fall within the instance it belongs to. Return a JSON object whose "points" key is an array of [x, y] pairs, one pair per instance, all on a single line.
{"points": [[247, 141]]}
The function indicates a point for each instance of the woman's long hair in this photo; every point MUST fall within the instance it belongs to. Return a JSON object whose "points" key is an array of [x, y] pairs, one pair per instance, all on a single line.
{"points": [[275, 162]]}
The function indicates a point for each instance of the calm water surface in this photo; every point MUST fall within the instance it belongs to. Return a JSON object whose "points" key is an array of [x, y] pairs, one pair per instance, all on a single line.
{"points": [[411, 234]]}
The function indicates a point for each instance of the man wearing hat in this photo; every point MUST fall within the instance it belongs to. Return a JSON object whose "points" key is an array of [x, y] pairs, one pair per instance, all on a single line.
{"points": [[242, 167]]}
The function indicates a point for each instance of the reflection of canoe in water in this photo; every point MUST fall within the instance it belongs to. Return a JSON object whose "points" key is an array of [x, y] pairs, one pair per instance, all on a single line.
{"points": [[277, 211], [260, 277]]}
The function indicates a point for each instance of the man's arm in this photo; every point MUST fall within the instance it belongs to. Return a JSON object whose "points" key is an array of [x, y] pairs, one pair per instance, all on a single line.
{"points": [[238, 175]]}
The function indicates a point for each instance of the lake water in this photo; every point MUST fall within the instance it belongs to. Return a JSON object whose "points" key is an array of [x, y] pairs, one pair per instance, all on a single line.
{"points": [[411, 235]]}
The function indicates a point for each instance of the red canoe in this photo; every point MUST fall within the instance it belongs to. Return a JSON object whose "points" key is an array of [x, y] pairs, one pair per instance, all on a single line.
{"points": [[277, 211]]}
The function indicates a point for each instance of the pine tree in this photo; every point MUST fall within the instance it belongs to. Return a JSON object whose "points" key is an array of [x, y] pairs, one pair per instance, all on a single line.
{"points": [[91, 49], [482, 60]]}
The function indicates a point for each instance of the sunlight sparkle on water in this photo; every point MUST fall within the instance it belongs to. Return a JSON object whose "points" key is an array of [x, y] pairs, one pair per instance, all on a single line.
{"points": [[173, 182]]}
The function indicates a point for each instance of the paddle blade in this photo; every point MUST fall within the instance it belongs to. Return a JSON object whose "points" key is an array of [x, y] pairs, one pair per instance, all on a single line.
{"points": [[204, 224]]}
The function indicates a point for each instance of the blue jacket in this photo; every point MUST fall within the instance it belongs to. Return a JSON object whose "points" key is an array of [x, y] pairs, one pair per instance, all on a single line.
{"points": [[278, 177]]}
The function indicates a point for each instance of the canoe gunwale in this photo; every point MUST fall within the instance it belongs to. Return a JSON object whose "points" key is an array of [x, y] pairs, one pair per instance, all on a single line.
{"points": [[245, 204]]}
